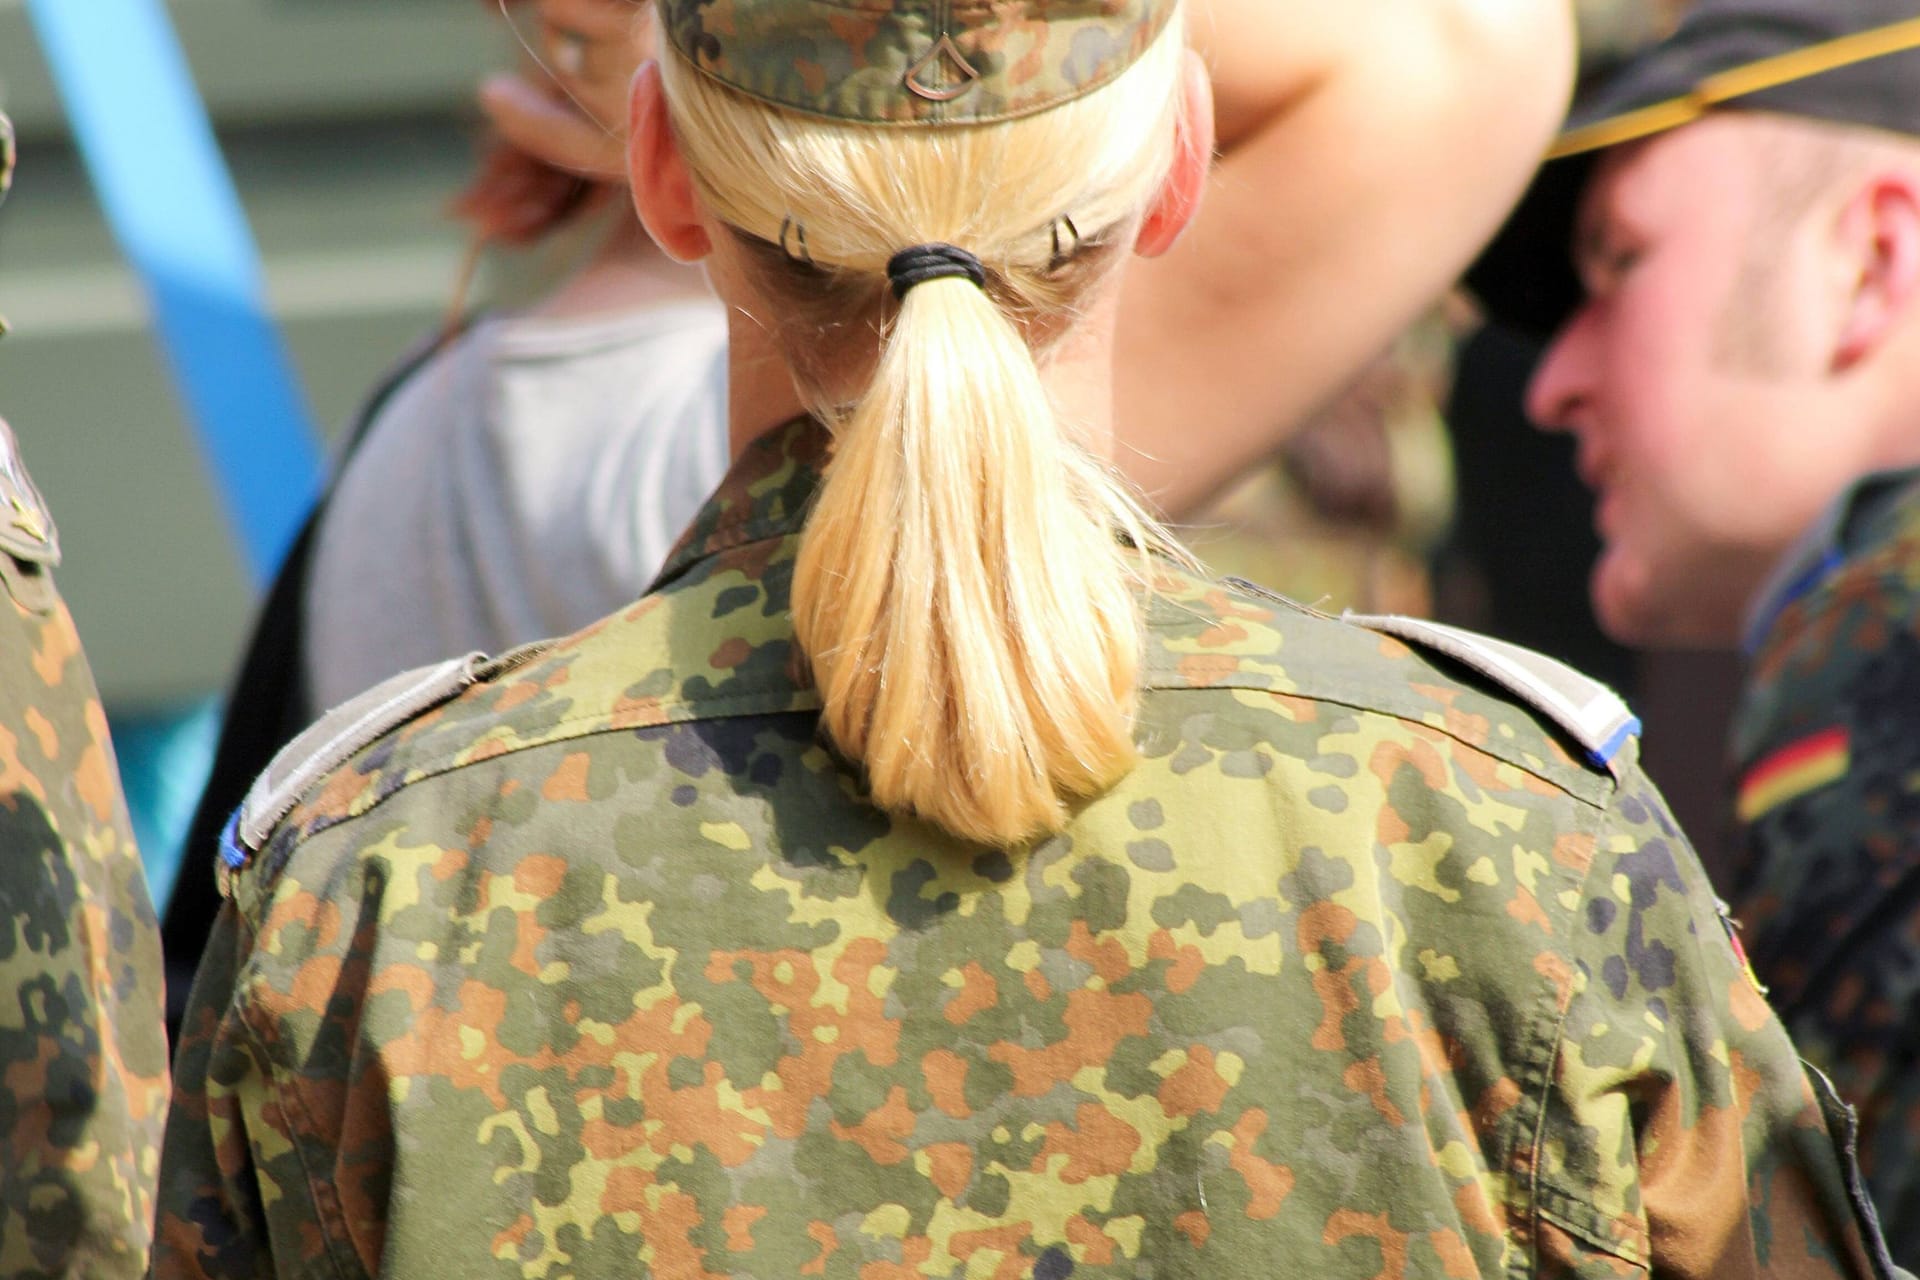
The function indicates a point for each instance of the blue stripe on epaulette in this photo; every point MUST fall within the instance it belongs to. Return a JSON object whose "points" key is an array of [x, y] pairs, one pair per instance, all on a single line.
{"points": [[232, 852], [1612, 746]]}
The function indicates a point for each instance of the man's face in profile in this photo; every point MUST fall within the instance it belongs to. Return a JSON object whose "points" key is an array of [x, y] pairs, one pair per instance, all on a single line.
{"points": [[1687, 379]]}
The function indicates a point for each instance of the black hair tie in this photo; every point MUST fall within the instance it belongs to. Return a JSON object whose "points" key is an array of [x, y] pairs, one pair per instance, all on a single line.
{"points": [[925, 262]]}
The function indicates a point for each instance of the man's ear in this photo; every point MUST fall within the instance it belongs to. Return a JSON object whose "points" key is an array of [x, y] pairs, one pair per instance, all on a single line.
{"points": [[1179, 197], [1878, 234], [662, 189]]}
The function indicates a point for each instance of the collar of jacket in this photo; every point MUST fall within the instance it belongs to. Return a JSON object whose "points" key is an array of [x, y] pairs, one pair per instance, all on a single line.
{"points": [[766, 494], [1850, 521]]}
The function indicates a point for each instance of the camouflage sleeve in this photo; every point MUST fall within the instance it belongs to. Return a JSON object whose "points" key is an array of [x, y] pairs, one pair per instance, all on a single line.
{"points": [[1683, 1133], [82, 1052], [210, 1220], [1829, 821]]}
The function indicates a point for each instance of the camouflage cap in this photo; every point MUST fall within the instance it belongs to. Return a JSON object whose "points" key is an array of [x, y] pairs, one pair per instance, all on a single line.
{"points": [[1850, 62], [914, 62]]}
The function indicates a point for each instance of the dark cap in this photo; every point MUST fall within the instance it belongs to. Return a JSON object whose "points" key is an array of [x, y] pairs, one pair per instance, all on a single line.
{"points": [[1851, 62]]}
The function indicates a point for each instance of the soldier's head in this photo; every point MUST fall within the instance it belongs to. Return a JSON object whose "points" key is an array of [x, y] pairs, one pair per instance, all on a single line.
{"points": [[917, 204], [1727, 252], [823, 140]]}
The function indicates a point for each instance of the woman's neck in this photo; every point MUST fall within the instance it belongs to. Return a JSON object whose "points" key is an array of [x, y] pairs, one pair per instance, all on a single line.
{"points": [[1078, 376]]}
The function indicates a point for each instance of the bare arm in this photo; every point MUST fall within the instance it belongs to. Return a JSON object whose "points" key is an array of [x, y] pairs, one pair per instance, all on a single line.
{"points": [[1368, 149]]}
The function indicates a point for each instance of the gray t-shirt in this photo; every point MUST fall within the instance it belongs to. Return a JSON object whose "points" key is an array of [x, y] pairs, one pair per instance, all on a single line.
{"points": [[527, 480]]}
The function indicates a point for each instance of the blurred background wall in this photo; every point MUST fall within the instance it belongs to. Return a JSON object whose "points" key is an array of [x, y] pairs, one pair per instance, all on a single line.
{"points": [[347, 126]]}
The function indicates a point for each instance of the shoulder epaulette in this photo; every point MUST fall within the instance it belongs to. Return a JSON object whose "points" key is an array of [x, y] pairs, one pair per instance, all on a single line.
{"points": [[26, 525], [1587, 711], [334, 739]]}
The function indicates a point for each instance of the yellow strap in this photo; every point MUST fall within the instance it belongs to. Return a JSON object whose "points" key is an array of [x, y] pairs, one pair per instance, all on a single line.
{"points": [[1768, 73]]}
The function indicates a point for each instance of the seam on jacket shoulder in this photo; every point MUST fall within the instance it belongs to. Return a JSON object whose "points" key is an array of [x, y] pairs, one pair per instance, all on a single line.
{"points": [[445, 763], [1385, 713]]}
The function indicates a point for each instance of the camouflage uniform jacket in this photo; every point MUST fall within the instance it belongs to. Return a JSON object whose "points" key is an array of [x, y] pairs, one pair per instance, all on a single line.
{"points": [[603, 968], [83, 1059], [1826, 752]]}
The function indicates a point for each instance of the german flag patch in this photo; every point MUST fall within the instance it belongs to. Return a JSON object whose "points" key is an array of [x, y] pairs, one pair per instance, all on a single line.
{"points": [[1793, 771]]}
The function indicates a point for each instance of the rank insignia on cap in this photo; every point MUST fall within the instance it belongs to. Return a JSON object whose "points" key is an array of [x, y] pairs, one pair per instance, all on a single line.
{"points": [[959, 74], [1793, 771]]}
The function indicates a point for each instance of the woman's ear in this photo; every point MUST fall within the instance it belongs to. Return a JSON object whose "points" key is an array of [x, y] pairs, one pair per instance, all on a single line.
{"points": [[1179, 197], [662, 188], [1878, 236]]}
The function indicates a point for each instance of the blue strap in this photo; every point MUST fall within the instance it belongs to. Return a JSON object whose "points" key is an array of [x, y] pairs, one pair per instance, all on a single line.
{"points": [[166, 192], [234, 854], [1611, 748]]}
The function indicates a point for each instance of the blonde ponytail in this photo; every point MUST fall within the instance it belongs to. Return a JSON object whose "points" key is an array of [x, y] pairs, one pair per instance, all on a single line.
{"points": [[966, 613], [964, 592]]}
